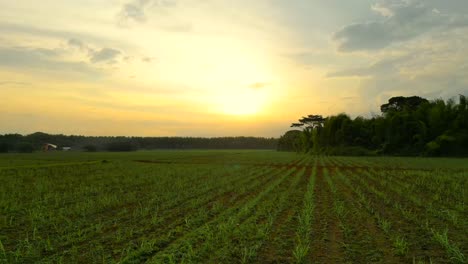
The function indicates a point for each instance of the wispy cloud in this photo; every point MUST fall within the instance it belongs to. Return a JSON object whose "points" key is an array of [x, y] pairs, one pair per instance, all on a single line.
{"points": [[14, 83], [44, 60], [164, 58], [107, 55], [383, 66], [73, 42], [401, 20], [96, 55], [147, 59], [136, 10]]}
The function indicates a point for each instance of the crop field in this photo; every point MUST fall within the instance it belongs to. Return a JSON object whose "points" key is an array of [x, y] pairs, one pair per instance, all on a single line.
{"points": [[231, 207]]}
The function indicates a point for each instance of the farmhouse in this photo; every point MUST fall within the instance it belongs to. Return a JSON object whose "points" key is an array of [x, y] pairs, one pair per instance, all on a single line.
{"points": [[49, 147]]}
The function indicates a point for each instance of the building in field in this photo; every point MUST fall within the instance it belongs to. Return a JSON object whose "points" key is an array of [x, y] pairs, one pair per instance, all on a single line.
{"points": [[49, 147]]}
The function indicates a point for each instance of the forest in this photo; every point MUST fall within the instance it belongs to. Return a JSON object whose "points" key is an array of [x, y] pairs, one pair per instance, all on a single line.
{"points": [[35, 141], [407, 126]]}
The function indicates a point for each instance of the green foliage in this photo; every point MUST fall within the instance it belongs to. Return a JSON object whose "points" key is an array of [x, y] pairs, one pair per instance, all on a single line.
{"points": [[4, 147], [409, 126], [455, 253], [121, 146], [290, 141], [401, 246], [25, 147], [38, 139], [349, 151], [90, 148], [222, 206], [401, 103]]}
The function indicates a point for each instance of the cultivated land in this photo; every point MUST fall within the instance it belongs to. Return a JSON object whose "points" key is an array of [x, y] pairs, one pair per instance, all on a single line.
{"points": [[231, 207]]}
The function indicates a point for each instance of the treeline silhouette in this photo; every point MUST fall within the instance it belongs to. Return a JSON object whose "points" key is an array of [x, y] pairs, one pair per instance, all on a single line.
{"points": [[408, 126], [36, 141]]}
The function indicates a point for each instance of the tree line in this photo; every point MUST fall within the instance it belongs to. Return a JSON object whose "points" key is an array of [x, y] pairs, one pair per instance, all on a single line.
{"points": [[35, 142], [408, 126]]}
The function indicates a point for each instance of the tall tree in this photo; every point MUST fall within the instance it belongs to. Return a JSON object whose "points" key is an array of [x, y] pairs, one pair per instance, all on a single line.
{"points": [[408, 126]]}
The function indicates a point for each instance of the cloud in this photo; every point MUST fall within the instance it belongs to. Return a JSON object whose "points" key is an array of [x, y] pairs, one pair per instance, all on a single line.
{"points": [[148, 59], [401, 20], [108, 55], [14, 83], [383, 9], [432, 66], [104, 55], [43, 59], [73, 42], [136, 10], [382, 66], [9, 29]]}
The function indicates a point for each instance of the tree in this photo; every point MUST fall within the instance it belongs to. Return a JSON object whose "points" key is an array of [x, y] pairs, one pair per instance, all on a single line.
{"points": [[25, 147], [309, 124], [310, 121], [407, 126], [399, 103], [90, 148], [121, 146], [4, 147], [290, 141]]}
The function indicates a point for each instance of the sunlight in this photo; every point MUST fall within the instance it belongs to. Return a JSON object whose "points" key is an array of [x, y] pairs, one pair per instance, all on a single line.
{"points": [[240, 79], [244, 102]]}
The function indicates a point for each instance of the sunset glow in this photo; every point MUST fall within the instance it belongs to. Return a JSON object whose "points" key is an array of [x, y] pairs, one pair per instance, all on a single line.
{"points": [[179, 67]]}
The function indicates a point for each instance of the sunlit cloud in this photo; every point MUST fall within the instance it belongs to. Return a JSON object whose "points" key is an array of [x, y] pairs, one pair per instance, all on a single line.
{"points": [[136, 10], [215, 68]]}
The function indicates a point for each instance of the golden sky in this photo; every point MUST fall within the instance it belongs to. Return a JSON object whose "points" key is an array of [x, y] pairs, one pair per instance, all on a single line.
{"points": [[218, 67]]}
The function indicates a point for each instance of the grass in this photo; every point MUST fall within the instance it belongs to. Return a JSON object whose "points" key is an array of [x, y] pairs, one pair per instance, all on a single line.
{"points": [[305, 218], [229, 206], [455, 254], [401, 246]]}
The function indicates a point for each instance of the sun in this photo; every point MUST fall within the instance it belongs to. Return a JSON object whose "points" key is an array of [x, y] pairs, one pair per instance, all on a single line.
{"points": [[242, 103], [238, 77]]}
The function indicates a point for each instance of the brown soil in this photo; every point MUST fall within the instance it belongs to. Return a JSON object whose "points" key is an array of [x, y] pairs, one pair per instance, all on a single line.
{"points": [[279, 246], [295, 164], [327, 238], [372, 243], [420, 243], [170, 221], [283, 187]]}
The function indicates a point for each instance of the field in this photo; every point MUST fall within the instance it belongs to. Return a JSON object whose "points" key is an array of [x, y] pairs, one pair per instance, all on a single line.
{"points": [[231, 207]]}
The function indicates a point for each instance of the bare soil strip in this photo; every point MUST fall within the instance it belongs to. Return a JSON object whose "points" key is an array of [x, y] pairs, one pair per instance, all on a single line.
{"points": [[172, 220], [408, 182], [327, 166], [280, 244], [197, 241], [421, 245], [277, 202], [327, 238], [455, 232], [371, 243]]}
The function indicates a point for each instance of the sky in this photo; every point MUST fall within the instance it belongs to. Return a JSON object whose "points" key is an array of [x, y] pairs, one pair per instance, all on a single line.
{"points": [[220, 67]]}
